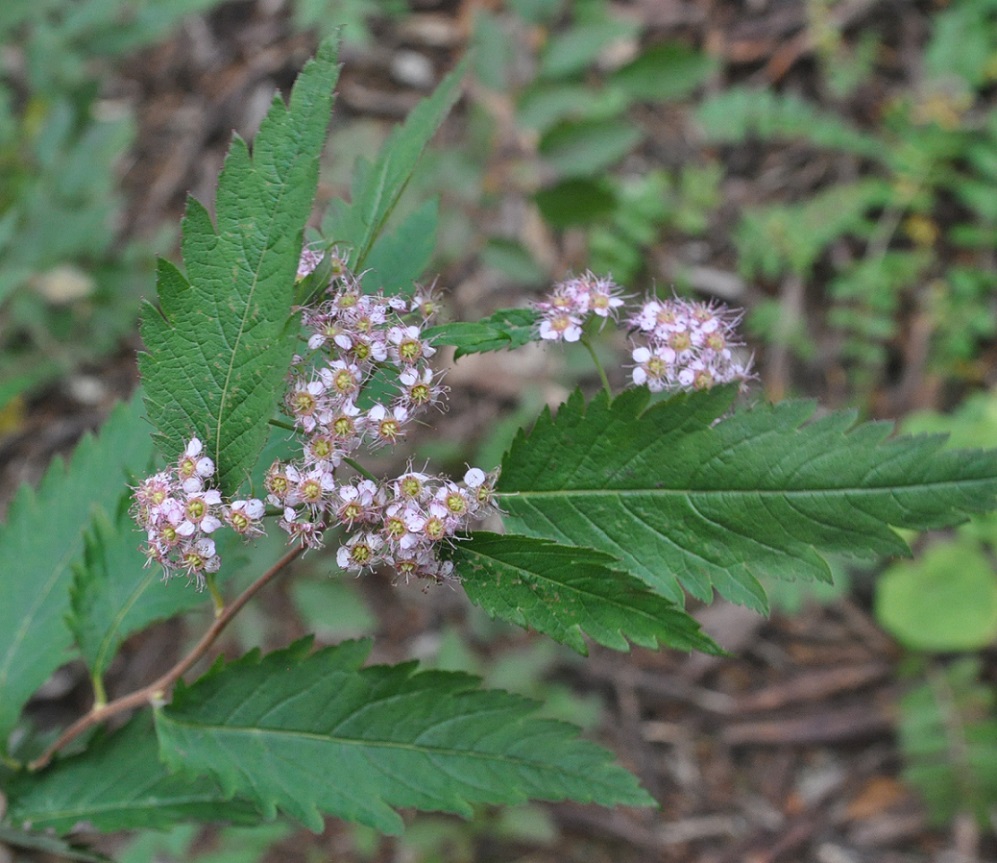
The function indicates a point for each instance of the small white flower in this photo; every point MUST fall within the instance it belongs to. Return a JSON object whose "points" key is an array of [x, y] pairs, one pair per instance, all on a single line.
{"points": [[561, 326], [474, 477], [360, 552]]}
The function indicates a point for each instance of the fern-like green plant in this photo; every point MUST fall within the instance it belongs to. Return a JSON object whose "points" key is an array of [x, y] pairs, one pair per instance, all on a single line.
{"points": [[948, 729]]}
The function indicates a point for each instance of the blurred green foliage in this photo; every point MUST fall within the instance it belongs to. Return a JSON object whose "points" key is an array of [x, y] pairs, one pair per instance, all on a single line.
{"points": [[914, 231], [350, 19], [574, 103], [69, 288], [946, 599], [941, 603], [948, 734], [906, 218]]}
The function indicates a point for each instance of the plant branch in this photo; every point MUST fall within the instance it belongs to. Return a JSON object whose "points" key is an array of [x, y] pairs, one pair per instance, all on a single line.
{"points": [[156, 691]]}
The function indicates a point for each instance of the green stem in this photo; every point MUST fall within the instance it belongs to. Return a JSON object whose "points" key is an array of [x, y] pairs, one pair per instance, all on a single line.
{"points": [[359, 468], [99, 693], [216, 594], [282, 425], [598, 366]]}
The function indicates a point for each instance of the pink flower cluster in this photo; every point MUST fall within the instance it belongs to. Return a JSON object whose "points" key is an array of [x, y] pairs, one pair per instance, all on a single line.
{"points": [[572, 301], [401, 523], [404, 523], [353, 336], [690, 345], [179, 512]]}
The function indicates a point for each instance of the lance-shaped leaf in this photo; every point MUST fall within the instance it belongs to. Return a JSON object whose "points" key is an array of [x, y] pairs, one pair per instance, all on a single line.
{"points": [[39, 542], [219, 346], [681, 499], [318, 734], [63, 850], [115, 594], [119, 783], [564, 591], [504, 329], [377, 187]]}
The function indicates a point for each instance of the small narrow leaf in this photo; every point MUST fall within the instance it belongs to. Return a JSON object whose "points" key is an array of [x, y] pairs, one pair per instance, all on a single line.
{"points": [[504, 329], [668, 71], [119, 783], [24, 840], [571, 52], [377, 187], [39, 542], [576, 201], [220, 345], [683, 500], [586, 147], [317, 734], [564, 591], [115, 594]]}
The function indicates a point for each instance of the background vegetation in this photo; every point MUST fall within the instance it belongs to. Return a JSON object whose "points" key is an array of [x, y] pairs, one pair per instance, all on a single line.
{"points": [[828, 165]]}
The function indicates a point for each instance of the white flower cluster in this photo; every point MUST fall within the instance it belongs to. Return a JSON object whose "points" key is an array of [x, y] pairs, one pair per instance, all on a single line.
{"points": [[572, 301], [690, 345], [352, 336], [402, 523], [179, 512]]}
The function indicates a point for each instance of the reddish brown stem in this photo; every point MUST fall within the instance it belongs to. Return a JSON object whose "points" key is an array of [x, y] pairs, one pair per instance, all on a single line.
{"points": [[157, 690]]}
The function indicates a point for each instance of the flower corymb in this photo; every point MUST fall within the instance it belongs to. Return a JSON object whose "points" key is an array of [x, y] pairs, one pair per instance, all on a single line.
{"points": [[689, 345], [177, 510]]}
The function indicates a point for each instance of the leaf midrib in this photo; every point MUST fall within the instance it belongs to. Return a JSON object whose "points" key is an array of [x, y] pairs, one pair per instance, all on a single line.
{"points": [[26, 623], [44, 815], [226, 390], [325, 739], [829, 491]]}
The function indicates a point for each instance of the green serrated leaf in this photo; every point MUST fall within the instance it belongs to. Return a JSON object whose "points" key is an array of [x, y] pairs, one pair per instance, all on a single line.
{"points": [[318, 734], [564, 591], [39, 542], [501, 330], [115, 594], [684, 502], [377, 187], [119, 783], [219, 348]]}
